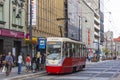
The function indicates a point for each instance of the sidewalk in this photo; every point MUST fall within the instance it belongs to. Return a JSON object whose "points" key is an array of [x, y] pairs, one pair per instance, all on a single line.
{"points": [[14, 74], [87, 62]]}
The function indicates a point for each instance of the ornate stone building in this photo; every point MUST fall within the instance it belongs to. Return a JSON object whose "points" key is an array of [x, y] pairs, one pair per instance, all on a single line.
{"points": [[12, 23], [45, 14]]}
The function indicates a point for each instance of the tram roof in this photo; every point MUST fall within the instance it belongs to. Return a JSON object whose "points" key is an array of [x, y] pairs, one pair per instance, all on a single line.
{"points": [[63, 39]]}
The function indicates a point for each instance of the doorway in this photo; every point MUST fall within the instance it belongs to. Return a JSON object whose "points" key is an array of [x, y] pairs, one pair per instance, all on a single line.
{"points": [[1, 46], [17, 48]]}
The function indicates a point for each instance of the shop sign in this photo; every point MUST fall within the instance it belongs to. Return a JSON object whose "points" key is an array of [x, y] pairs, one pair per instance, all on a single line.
{"points": [[9, 33]]}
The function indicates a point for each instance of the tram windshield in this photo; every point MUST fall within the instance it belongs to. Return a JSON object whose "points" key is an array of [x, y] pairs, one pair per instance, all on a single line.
{"points": [[54, 50]]}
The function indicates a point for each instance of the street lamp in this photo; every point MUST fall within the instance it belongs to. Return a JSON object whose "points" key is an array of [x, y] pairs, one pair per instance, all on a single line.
{"points": [[60, 27], [18, 17], [30, 29]]}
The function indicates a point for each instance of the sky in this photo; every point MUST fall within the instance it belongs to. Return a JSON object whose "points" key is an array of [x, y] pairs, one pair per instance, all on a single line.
{"points": [[112, 16]]}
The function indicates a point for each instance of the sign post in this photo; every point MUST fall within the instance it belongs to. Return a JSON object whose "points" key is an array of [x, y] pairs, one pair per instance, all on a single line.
{"points": [[42, 44]]}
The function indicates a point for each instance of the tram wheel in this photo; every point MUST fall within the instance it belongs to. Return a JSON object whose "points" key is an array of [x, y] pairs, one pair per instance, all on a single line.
{"points": [[74, 69], [83, 66]]}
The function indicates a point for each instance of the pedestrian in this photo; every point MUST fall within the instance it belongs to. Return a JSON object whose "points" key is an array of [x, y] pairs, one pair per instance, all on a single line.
{"points": [[37, 64], [42, 61], [20, 60], [0, 62], [9, 63], [14, 60], [89, 58], [3, 60], [28, 63], [34, 63]]}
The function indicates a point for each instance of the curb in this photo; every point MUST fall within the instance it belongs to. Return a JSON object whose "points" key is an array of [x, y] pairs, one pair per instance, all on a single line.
{"points": [[22, 76]]}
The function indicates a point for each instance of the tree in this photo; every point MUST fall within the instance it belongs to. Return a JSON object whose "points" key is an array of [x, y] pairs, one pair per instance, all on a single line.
{"points": [[106, 51]]}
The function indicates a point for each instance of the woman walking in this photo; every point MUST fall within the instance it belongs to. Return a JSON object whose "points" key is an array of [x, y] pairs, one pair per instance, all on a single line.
{"points": [[28, 63]]}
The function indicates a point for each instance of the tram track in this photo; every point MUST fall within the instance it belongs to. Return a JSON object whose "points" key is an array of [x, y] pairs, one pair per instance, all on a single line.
{"points": [[51, 77], [34, 76]]}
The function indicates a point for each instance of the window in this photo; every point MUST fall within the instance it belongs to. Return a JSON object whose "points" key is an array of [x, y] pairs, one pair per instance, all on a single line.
{"points": [[80, 50], [14, 16], [20, 19], [2, 13]]}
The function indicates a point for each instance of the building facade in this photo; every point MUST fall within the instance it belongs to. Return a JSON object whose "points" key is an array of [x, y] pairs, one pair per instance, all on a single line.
{"points": [[45, 23], [109, 42], [117, 46], [12, 23], [79, 20], [87, 26], [101, 6], [94, 5]]}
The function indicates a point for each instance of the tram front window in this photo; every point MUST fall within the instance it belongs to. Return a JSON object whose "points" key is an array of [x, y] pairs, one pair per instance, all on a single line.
{"points": [[54, 51]]}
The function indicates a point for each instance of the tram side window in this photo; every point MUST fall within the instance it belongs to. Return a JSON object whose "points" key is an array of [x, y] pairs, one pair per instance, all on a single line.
{"points": [[71, 55], [80, 51], [85, 51], [76, 52], [67, 52], [73, 50], [70, 50]]}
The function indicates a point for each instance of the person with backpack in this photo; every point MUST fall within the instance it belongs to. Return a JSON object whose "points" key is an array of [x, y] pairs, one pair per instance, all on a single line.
{"points": [[9, 63]]}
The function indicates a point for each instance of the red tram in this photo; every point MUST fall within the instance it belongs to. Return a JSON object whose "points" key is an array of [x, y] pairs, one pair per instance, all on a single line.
{"points": [[65, 55]]}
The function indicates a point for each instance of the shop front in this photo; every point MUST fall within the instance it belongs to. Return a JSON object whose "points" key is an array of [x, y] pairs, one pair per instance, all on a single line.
{"points": [[11, 41]]}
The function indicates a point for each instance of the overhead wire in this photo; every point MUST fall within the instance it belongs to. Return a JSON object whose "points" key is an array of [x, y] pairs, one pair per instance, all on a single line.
{"points": [[110, 19]]}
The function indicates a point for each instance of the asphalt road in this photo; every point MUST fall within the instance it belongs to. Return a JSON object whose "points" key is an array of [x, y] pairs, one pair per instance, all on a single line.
{"points": [[108, 70], [105, 70]]}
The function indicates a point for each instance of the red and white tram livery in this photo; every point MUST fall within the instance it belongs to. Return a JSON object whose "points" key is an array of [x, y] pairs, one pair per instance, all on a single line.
{"points": [[64, 55]]}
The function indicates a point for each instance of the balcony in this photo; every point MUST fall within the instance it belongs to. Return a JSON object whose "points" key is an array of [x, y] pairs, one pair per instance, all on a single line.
{"points": [[96, 34], [97, 21], [2, 24], [97, 27]]}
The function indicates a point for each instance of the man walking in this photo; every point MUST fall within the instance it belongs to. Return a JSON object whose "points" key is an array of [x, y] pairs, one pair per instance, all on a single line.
{"points": [[20, 60], [9, 63]]}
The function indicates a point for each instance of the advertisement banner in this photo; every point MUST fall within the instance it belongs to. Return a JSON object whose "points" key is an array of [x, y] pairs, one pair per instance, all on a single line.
{"points": [[34, 12], [74, 25]]}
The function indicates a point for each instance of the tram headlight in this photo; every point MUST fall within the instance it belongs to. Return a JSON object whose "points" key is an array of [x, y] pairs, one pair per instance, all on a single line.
{"points": [[60, 62], [47, 62]]}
